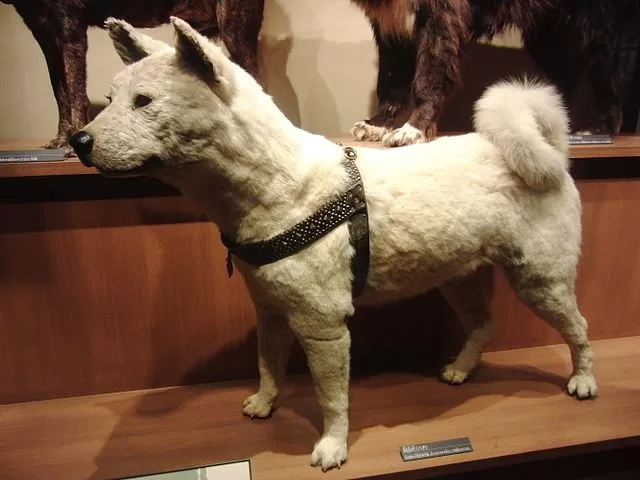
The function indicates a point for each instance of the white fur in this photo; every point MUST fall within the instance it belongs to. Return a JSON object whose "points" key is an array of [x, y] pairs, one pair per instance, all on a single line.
{"points": [[438, 211], [508, 113], [404, 136]]}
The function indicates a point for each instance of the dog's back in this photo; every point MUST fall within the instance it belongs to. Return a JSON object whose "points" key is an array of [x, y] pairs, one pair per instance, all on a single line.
{"points": [[449, 206]]}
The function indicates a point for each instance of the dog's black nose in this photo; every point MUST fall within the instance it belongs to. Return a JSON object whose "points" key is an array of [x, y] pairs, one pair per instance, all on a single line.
{"points": [[82, 143]]}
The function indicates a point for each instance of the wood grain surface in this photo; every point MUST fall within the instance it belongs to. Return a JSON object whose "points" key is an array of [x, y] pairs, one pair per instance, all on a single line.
{"points": [[513, 407], [111, 295]]}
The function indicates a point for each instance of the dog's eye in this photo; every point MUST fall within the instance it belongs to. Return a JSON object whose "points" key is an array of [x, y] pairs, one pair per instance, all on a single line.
{"points": [[108, 97], [141, 101]]}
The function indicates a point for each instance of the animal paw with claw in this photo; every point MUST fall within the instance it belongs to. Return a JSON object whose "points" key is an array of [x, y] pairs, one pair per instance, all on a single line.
{"points": [[403, 136], [453, 374], [61, 141], [582, 386], [366, 132], [257, 406], [329, 452]]}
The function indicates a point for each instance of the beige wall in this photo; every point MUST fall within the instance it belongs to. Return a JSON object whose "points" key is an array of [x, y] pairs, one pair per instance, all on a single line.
{"points": [[319, 63]]}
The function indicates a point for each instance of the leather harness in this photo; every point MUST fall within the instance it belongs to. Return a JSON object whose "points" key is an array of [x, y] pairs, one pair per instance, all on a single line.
{"points": [[351, 206]]}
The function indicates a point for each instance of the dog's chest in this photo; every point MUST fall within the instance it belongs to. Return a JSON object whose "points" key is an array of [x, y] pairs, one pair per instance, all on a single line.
{"points": [[393, 17]]}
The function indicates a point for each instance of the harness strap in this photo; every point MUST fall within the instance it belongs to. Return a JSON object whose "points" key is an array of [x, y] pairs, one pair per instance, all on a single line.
{"points": [[350, 206]]}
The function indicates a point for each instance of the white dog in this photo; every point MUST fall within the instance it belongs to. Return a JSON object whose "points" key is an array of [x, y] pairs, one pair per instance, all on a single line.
{"points": [[437, 211]]}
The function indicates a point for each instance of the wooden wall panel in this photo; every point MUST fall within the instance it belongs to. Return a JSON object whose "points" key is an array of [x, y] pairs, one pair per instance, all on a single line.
{"points": [[608, 275], [109, 295], [113, 295]]}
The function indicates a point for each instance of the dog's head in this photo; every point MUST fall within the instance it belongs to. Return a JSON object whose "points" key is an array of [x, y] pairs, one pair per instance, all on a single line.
{"points": [[166, 107]]}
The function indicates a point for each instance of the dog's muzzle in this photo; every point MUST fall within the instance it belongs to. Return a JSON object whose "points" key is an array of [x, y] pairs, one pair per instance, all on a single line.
{"points": [[82, 143]]}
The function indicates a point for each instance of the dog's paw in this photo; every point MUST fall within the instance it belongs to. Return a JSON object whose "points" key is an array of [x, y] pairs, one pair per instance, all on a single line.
{"points": [[582, 386], [367, 132], [61, 141], [593, 131], [329, 452], [403, 136], [257, 406], [453, 374]]}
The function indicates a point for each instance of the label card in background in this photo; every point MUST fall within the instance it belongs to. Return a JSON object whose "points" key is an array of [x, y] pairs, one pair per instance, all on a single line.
{"points": [[590, 139], [226, 471], [418, 451], [27, 156]]}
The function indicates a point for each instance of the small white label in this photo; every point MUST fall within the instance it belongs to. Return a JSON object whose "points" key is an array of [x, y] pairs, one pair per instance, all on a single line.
{"points": [[418, 451], [226, 471]]}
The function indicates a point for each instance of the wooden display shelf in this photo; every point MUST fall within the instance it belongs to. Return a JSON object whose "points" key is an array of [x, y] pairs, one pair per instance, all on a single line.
{"points": [[70, 166], [623, 147], [513, 409]]}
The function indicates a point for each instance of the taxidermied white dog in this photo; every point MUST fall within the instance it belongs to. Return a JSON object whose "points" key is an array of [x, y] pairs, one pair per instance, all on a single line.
{"points": [[437, 211]]}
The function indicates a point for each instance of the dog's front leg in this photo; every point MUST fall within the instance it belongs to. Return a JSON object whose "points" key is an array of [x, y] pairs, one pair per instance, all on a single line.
{"points": [[327, 351], [274, 345]]}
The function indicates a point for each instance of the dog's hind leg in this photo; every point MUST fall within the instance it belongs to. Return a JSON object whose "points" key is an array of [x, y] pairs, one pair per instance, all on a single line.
{"points": [[553, 299], [469, 299], [240, 23], [274, 345]]}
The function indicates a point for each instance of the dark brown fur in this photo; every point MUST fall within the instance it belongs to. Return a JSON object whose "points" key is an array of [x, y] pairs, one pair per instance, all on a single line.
{"points": [[60, 28], [565, 38]]}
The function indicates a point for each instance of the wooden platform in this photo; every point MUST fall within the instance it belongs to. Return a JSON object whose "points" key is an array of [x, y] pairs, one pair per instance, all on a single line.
{"points": [[623, 146], [512, 409]]}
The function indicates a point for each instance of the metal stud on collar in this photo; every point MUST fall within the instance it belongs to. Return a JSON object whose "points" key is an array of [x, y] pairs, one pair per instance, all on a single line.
{"points": [[301, 235], [350, 153]]}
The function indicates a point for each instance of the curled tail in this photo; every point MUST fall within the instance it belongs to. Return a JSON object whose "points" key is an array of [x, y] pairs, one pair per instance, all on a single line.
{"points": [[528, 122]]}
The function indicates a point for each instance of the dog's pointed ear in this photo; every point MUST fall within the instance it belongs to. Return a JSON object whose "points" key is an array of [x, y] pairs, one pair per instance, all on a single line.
{"points": [[130, 44], [197, 53]]}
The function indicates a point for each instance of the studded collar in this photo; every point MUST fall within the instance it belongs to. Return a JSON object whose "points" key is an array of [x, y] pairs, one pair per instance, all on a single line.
{"points": [[350, 206]]}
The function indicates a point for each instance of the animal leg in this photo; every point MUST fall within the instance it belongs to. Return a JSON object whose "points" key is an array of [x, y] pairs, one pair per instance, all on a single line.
{"points": [[240, 23], [555, 52], [605, 80], [554, 300], [326, 343], [274, 346], [468, 298], [444, 32], [396, 65], [64, 45]]}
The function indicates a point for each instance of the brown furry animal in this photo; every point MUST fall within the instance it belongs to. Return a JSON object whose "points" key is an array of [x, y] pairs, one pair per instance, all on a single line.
{"points": [[419, 44], [60, 28]]}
